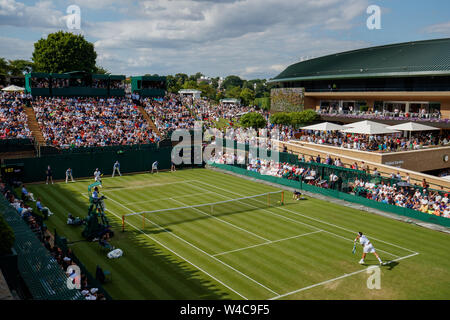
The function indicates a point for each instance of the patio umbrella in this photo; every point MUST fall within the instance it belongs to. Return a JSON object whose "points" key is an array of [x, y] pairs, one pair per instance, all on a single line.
{"points": [[364, 123], [324, 126], [412, 126], [369, 130], [13, 88]]}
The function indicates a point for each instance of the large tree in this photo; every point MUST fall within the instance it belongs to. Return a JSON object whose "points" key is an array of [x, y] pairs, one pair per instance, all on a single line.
{"points": [[253, 120], [3, 66], [232, 81], [20, 67], [64, 52]]}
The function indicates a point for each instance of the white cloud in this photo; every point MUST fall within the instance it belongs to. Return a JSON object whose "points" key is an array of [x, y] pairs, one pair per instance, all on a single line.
{"points": [[42, 15], [12, 48], [250, 38], [443, 28]]}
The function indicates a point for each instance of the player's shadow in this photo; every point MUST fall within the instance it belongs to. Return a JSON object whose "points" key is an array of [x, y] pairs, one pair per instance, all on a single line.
{"points": [[391, 265]]}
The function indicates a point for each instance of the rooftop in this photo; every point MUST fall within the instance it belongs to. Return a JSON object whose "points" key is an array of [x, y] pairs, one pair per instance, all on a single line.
{"points": [[416, 58]]}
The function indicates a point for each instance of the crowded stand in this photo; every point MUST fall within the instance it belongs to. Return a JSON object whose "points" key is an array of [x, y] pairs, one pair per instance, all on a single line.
{"points": [[88, 122], [423, 200], [169, 113], [180, 112], [13, 120]]}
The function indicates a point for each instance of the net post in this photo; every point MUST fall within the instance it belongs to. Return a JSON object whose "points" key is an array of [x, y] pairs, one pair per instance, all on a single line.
{"points": [[282, 197], [123, 223]]}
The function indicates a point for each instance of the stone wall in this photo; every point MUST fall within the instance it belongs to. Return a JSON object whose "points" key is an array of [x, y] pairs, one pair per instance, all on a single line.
{"points": [[287, 99]]}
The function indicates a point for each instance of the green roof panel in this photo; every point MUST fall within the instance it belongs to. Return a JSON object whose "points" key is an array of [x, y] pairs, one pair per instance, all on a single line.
{"points": [[429, 57]]}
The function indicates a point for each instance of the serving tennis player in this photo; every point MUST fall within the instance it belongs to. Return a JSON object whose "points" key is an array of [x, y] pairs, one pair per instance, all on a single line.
{"points": [[367, 248]]}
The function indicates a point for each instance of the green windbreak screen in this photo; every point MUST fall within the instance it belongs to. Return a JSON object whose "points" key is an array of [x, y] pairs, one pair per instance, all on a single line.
{"points": [[44, 277], [338, 195]]}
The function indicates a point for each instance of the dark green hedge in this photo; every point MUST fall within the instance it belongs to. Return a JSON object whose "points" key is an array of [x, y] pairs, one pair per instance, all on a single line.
{"points": [[6, 237]]}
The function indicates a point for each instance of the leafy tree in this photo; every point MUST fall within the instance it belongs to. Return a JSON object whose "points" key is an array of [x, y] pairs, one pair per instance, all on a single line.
{"points": [[233, 92], [263, 103], [196, 76], [215, 83], [101, 70], [3, 66], [232, 81], [282, 118], [247, 95], [303, 118], [190, 84], [6, 237], [19, 67], [253, 120], [181, 78], [64, 52], [207, 90]]}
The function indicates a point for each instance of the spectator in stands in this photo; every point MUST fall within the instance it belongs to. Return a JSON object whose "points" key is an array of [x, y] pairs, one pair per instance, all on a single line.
{"points": [[44, 210], [13, 119], [27, 195]]}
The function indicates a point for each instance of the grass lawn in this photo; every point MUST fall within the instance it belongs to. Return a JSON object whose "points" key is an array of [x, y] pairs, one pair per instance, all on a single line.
{"points": [[301, 250]]}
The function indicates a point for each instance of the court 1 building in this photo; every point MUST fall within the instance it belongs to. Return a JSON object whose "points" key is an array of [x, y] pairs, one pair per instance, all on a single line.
{"points": [[392, 83]]}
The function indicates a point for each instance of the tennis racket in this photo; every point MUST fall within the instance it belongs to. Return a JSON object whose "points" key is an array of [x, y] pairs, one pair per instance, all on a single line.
{"points": [[354, 248]]}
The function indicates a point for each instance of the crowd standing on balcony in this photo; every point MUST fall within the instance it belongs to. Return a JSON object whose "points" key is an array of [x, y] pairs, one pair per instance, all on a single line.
{"points": [[395, 114]]}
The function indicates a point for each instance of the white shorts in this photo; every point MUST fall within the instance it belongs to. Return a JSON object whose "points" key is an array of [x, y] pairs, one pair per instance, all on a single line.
{"points": [[369, 248]]}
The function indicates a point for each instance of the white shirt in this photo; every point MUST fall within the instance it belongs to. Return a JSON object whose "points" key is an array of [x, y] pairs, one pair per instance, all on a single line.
{"points": [[363, 240]]}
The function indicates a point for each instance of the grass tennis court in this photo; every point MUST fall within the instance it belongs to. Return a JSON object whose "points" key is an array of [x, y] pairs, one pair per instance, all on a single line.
{"points": [[301, 250]]}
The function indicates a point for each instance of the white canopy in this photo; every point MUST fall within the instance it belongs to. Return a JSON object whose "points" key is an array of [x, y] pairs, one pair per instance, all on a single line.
{"points": [[364, 123], [412, 126], [369, 129], [13, 88], [324, 126]]}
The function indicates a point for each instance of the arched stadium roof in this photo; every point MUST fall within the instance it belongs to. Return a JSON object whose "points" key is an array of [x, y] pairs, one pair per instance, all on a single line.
{"points": [[416, 58]]}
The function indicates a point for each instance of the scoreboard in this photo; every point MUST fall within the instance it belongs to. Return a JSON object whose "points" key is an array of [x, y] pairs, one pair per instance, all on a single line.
{"points": [[12, 172]]}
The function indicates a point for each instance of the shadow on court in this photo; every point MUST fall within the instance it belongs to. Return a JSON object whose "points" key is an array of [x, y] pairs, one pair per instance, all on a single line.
{"points": [[391, 265]]}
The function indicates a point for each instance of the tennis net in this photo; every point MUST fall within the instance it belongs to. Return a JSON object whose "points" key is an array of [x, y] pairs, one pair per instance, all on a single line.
{"points": [[165, 217]]}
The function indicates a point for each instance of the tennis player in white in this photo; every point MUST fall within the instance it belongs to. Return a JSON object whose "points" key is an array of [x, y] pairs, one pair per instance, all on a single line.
{"points": [[155, 167], [367, 247], [97, 177]]}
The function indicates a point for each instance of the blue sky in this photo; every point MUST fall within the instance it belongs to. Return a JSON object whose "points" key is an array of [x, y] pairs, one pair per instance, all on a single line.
{"points": [[249, 38]]}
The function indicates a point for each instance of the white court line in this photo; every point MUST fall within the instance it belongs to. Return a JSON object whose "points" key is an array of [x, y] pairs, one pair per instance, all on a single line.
{"points": [[334, 279], [160, 199], [293, 220], [162, 245], [226, 222], [148, 185], [266, 243], [299, 214], [202, 251]]}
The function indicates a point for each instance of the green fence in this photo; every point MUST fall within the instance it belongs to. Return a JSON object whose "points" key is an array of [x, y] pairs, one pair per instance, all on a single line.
{"points": [[338, 195], [43, 276], [323, 171], [61, 242], [84, 164], [11, 145]]}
